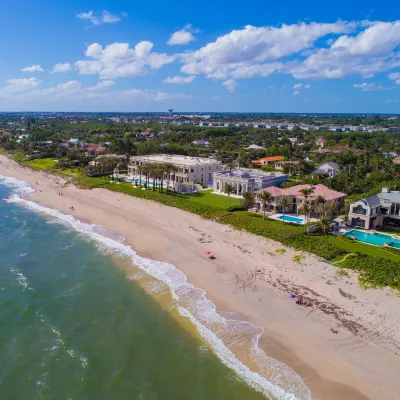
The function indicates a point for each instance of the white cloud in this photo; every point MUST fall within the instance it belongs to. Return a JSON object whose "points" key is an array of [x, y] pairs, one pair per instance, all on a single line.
{"points": [[66, 67], [180, 79], [395, 76], [100, 18], [307, 86], [20, 85], [230, 84], [371, 51], [255, 50], [119, 60], [296, 92], [297, 86], [33, 68], [368, 87], [101, 85], [215, 97], [184, 36], [70, 85], [72, 95]]}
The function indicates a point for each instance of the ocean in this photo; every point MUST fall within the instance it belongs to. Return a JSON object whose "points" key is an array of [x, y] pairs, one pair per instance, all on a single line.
{"points": [[84, 317]]}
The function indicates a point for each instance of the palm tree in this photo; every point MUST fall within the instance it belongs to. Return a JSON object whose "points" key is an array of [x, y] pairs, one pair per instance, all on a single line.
{"points": [[248, 200], [307, 193], [228, 189], [266, 198], [324, 224], [140, 170], [283, 203], [305, 209], [321, 202]]}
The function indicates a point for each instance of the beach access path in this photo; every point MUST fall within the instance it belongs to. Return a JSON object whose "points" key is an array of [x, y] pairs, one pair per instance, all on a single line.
{"points": [[346, 346]]}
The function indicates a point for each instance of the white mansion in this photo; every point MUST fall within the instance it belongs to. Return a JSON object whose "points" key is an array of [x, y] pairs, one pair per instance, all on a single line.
{"points": [[190, 169], [246, 180]]}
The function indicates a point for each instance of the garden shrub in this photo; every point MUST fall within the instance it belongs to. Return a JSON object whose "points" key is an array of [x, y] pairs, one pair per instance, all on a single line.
{"points": [[374, 271]]}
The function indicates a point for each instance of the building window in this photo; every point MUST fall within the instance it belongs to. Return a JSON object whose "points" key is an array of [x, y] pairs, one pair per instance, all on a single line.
{"points": [[359, 210]]}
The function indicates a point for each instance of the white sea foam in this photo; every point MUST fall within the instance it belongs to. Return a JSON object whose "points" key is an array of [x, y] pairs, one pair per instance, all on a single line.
{"points": [[19, 187], [276, 379]]}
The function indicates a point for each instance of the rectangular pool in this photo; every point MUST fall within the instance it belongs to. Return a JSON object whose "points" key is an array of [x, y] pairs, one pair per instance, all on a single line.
{"points": [[377, 239], [293, 220]]}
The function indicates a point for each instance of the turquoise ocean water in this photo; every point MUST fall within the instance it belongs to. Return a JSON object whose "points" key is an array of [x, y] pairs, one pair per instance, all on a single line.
{"points": [[80, 321]]}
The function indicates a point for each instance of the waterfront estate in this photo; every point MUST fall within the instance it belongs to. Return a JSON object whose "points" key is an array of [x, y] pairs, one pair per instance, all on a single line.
{"points": [[246, 180], [382, 209], [294, 199], [190, 169]]}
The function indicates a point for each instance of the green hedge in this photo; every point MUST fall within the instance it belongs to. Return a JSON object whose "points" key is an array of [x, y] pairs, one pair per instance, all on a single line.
{"points": [[288, 234], [321, 248], [391, 250], [374, 271]]}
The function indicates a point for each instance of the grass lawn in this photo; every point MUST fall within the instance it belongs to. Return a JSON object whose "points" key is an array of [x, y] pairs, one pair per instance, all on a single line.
{"points": [[41, 163], [359, 247], [216, 200]]}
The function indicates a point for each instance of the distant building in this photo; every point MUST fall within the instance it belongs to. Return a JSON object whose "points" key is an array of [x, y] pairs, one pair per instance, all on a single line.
{"points": [[294, 165], [254, 147], [329, 169], [320, 142], [295, 198], [246, 180], [93, 149], [382, 209], [396, 160], [266, 161]]}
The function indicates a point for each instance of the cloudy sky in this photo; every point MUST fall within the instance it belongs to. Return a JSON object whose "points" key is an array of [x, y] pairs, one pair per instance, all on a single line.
{"points": [[200, 56]]}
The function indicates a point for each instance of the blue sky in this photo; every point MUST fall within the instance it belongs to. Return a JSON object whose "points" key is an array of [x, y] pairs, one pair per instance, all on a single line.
{"points": [[248, 56]]}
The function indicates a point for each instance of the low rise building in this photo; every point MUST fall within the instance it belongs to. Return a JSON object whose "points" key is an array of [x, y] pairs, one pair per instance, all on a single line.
{"points": [[328, 169], [190, 169], [246, 180], [293, 165], [382, 209], [295, 199], [266, 161]]}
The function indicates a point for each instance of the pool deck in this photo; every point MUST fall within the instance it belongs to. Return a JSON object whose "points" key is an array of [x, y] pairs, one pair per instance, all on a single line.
{"points": [[372, 232]]}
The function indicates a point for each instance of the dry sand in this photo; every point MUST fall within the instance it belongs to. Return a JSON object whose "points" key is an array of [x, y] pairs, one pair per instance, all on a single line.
{"points": [[346, 346]]}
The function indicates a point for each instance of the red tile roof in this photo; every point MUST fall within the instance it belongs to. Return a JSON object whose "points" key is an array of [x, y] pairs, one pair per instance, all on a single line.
{"points": [[266, 160], [319, 190]]}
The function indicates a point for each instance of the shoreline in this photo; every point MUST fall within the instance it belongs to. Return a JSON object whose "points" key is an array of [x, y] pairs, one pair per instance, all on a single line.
{"points": [[250, 279]]}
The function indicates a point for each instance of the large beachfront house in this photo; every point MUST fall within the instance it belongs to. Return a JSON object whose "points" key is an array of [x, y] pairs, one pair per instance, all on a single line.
{"points": [[263, 162], [190, 169], [246, 180], [382, 209], [295, 199]]}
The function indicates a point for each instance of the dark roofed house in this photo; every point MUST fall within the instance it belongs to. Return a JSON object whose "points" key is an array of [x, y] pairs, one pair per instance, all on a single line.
{"points": [[382, 209]]}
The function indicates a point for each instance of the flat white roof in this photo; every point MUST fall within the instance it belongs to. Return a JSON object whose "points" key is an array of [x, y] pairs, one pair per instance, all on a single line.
{"points": [[174, 159]]}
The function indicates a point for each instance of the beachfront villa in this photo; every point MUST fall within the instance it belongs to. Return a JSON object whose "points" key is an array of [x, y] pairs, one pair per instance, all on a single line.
{"points": [[382, 209], [246, 180], [191, 170], [295, 199], [263, 162]]}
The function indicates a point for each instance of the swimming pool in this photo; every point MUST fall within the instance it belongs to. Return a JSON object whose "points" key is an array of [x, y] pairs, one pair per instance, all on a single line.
{"points": [[377, 239], [288, 218]]}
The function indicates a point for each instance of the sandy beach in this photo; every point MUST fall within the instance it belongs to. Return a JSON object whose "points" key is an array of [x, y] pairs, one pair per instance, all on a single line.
{"points": [[346, 346]]}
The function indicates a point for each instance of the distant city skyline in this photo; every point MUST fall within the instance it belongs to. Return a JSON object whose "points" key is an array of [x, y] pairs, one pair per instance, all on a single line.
{"points": [[211, 57]]}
